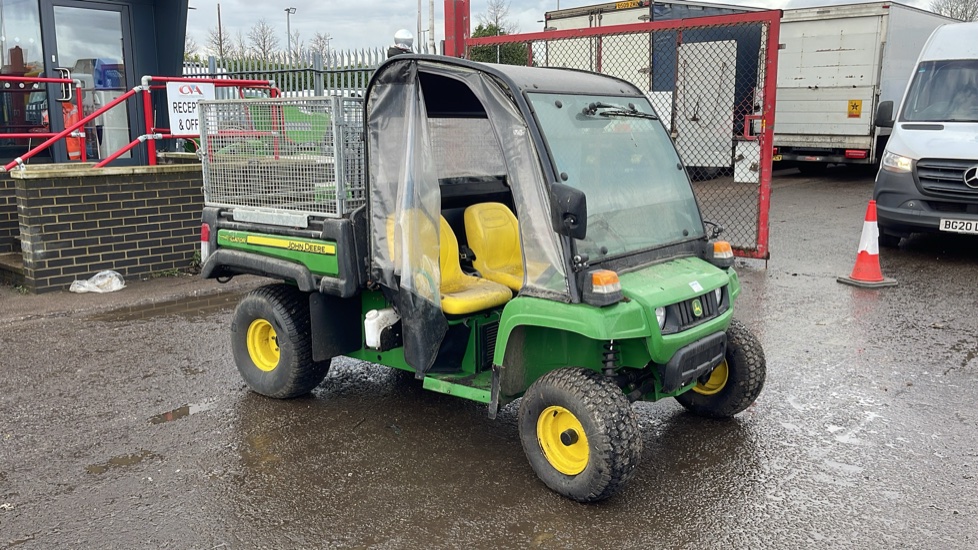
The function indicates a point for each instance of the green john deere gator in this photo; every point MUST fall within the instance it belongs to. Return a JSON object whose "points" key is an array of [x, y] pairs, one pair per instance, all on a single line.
{"points": [[501, 232]]}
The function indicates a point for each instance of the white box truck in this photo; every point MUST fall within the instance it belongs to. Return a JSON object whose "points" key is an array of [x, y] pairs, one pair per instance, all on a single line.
{"points": [[836, 64]]}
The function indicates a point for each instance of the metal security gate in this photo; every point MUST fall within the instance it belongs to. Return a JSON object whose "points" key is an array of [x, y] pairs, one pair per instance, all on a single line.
{"points": [[712, 80]]}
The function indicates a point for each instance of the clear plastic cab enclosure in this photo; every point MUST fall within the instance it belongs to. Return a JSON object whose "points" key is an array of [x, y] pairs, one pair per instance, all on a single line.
{"points": [[618, 153], [518, 135]]}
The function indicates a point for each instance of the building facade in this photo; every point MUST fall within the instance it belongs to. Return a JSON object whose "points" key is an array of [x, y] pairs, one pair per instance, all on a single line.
{"points": [[107, 45]]}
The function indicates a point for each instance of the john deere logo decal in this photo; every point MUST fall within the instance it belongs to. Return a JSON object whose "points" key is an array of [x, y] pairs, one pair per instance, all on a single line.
{"points": [[697, 308]]}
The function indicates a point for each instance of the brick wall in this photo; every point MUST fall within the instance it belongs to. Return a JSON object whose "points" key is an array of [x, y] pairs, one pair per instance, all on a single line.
{"points": [[9, 229], [76, 222]]}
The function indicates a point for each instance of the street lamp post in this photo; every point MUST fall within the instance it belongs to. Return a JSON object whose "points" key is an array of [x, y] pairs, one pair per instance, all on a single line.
{"points": [[288, 30]]}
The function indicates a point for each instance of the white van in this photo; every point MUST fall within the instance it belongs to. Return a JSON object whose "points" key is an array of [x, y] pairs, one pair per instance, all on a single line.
{"points": [[928, 178]]}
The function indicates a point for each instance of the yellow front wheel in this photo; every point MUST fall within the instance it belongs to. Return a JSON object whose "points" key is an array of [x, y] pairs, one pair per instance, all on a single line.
{"points": [[716, 382], [563, 440], [735, 383], [579, 434]]}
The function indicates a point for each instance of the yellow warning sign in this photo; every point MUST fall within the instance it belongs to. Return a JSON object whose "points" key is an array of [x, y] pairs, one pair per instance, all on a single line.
{"points": [[855, 108]]}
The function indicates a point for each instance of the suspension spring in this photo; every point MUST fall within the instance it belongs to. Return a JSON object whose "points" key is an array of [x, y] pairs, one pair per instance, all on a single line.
{"points": [[610, 358]]}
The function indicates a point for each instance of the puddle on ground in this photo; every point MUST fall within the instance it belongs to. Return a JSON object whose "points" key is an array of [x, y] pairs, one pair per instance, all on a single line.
{"points": [[183, 307], [14, 542], [119, 461], [181, 412], [190, 371]]}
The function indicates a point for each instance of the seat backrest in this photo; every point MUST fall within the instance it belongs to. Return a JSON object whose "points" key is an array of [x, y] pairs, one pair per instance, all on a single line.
{"points": [[413, 222], [494, 236], [449, 266], [451, 270]]}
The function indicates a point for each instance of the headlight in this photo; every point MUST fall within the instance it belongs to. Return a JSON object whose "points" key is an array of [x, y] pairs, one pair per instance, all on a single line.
{"points": [[660, 316], [718, 293], [896, 163]]}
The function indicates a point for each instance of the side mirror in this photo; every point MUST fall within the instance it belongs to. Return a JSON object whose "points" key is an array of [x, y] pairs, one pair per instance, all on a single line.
{"points": [[884, 115], [569, 211]]}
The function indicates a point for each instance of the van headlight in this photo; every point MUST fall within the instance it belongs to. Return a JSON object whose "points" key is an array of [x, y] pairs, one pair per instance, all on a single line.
{"points": [[896, 163]]}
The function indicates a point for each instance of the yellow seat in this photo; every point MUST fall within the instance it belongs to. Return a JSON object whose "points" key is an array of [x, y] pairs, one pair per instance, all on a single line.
{"points": [[494, 236], [462, 294]]}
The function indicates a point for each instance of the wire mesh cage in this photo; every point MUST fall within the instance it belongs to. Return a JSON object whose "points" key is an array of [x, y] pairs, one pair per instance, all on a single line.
{"points": [[707, 84], [303, 156]]}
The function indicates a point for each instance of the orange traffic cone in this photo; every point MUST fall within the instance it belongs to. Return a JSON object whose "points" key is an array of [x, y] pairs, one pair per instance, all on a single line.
{"points": [[867, 273]]}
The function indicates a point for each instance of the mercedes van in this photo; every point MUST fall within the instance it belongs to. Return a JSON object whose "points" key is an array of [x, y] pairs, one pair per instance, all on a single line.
{"points": [[928, 177]]}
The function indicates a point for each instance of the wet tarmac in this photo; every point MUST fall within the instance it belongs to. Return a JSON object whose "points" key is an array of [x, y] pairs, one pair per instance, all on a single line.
{"points": [[132, 429]]}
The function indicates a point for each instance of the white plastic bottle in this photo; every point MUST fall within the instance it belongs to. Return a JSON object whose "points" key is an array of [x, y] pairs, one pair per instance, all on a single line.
{"points": [[375, 321]]}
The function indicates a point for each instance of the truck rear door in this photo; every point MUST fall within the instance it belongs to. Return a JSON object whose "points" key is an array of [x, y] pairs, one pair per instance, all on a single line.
{"points": [[827, 76]]}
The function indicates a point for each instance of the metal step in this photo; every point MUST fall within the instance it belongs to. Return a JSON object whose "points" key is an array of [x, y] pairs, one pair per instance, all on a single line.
{"points": [[12, 268]]}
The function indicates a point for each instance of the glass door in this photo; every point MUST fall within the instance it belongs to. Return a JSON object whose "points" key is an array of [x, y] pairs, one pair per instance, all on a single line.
{"points": [[92, 41], [22, 102]]}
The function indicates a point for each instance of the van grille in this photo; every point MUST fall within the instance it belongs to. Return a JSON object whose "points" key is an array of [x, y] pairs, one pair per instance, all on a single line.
{"points": [[944, 176]]}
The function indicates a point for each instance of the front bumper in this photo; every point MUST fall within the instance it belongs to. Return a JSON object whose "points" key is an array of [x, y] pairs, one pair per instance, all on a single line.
{"points": [[692, 361], [901, 208]]}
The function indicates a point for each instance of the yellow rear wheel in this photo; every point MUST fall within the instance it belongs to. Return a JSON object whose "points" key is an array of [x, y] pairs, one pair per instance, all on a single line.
{"points": [[272, 343], [563, 440], [263, 345]]}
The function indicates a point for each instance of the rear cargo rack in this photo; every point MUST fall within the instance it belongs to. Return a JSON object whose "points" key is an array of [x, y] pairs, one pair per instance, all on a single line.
{"points": [[281, 161]]}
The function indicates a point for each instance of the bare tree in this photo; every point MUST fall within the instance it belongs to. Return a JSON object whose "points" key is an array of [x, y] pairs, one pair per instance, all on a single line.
{"points": [[238, 47], [963, 10], [190, 47], [497, 12], [296, 46], [218, 42], [320, 44], [262, 40]]}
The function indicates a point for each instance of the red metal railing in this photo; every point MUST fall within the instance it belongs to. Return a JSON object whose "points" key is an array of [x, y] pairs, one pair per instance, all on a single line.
{"points": [[36, 134], [145, 91], [158, 133]]}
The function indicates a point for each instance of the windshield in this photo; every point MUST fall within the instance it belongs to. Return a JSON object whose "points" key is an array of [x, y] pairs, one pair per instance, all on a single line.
{"points": [[943, 91], [617, 152]]}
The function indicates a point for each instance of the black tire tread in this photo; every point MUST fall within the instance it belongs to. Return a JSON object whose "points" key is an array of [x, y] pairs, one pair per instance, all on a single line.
{"points": [[748, 370], [292, 309], [812, 168], [616, 447], [889, 241]]}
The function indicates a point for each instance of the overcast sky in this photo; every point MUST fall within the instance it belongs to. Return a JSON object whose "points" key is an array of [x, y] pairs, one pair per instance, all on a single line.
{"points": [[355, 24]]}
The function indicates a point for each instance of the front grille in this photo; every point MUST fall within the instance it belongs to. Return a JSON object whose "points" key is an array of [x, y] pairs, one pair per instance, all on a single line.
{"points": [[950, 207], [687, 310], [944, 176]]}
